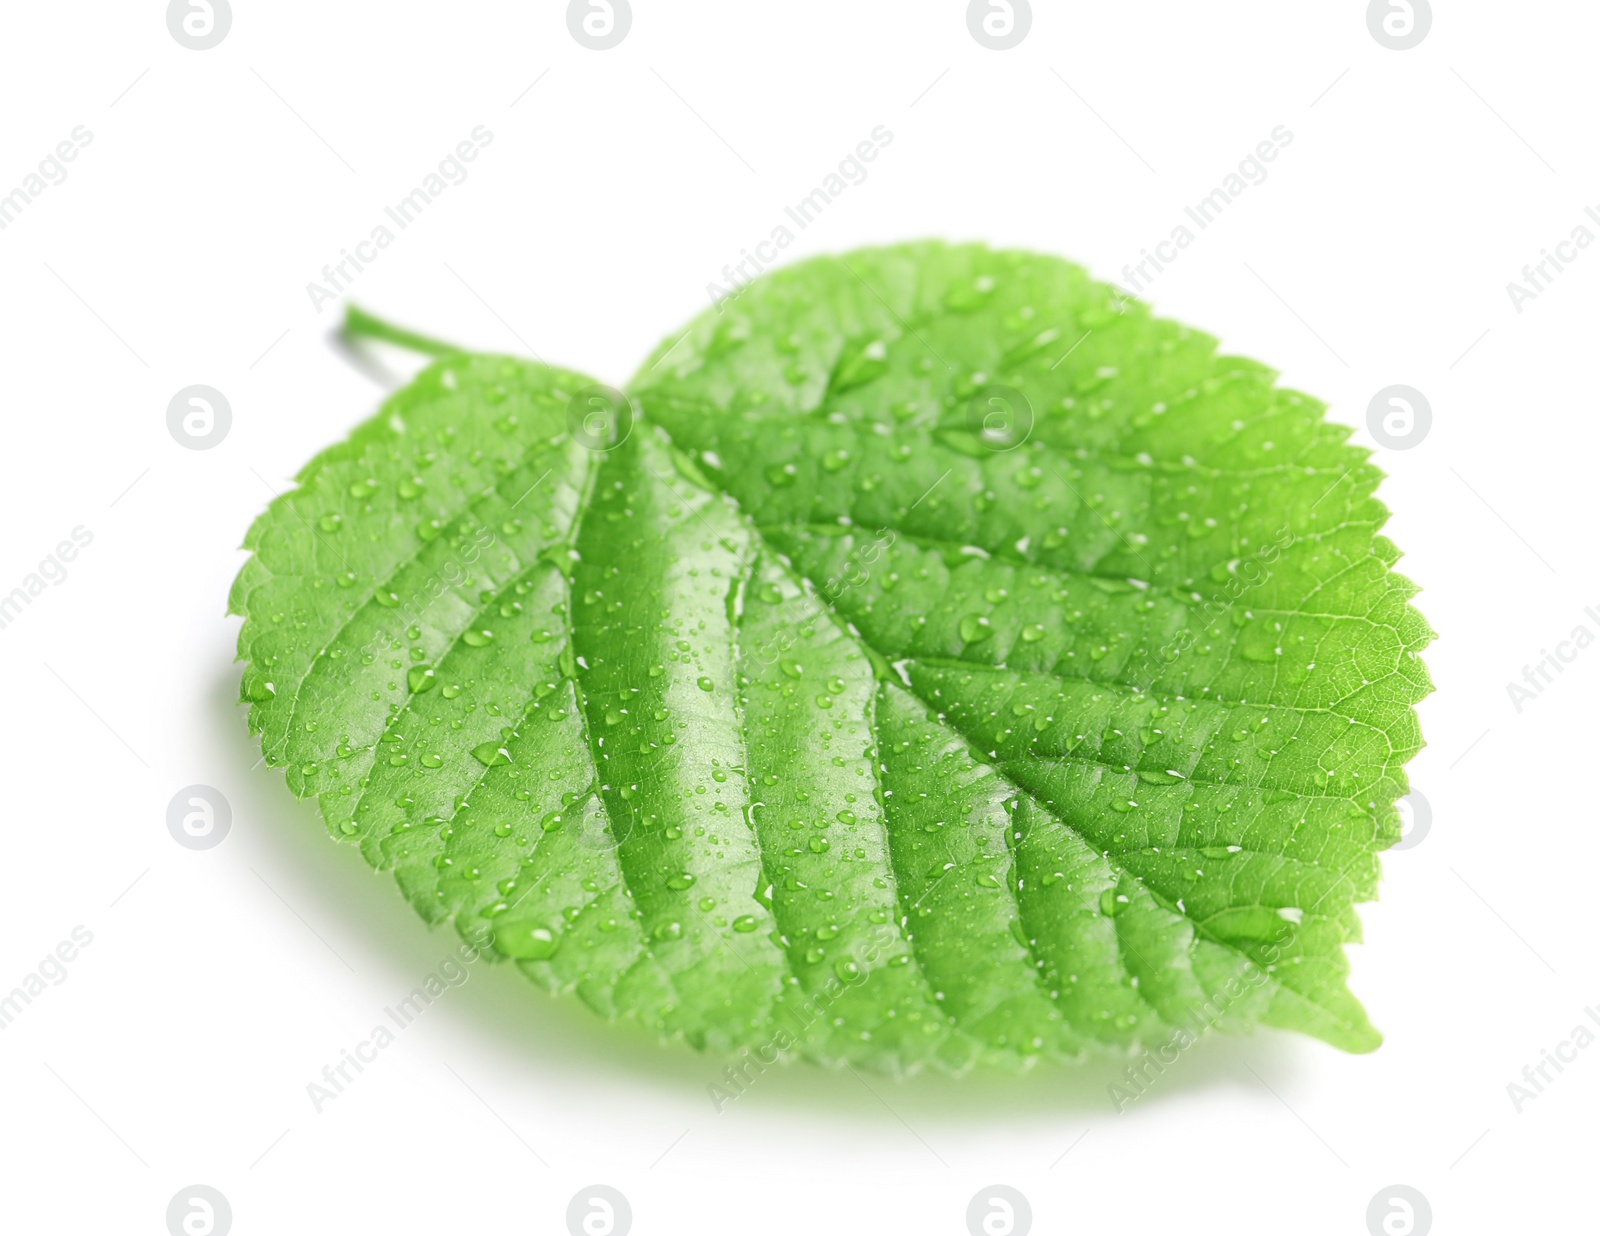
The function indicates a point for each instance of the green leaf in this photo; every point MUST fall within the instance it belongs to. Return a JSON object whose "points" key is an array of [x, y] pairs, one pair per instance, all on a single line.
{"points": [[943, 661]]}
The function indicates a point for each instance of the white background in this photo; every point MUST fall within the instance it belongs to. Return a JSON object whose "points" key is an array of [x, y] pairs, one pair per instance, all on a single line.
{"points": [[178, 250]]}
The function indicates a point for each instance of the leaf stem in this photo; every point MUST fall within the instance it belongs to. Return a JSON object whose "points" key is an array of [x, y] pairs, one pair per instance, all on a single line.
{"points": [[359, 324]]}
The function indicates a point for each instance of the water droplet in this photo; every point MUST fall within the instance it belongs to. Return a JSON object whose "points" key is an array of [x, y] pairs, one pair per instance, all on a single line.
{"points": [[864, 364], [525, 941], [491, 754], [257, 689], [965, 297], [975, 628]]}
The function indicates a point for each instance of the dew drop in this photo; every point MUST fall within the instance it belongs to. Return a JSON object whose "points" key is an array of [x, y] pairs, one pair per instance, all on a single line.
{"points": [[525, 941], [975, 628]]}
